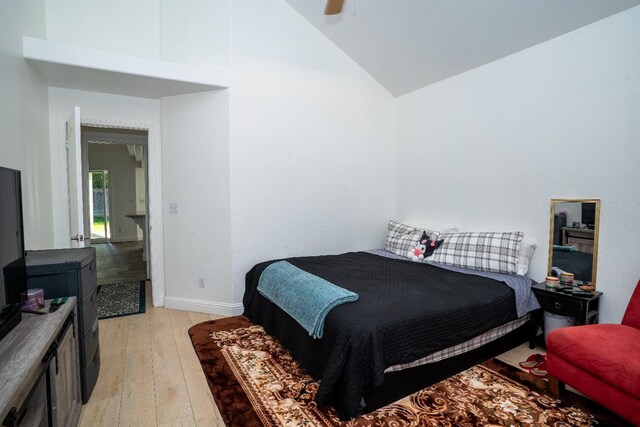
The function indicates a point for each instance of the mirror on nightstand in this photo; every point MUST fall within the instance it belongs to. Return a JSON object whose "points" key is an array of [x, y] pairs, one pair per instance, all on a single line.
{"points": [[573, 238]]}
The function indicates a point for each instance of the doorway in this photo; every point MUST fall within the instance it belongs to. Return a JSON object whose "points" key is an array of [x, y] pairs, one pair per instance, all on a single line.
{"points": [[74, 145], [116, 193], [99, 212]]}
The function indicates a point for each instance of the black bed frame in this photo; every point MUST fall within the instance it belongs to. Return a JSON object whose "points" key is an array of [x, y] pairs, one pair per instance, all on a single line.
{"points": [[407, 381]]}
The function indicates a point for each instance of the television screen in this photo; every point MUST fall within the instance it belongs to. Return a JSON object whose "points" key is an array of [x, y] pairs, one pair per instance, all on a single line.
{"points": [[13, 284], [589, 214]]}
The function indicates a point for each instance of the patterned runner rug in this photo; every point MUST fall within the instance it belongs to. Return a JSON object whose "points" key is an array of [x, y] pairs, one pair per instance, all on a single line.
{"points": [[256, 382], [121, 299]]}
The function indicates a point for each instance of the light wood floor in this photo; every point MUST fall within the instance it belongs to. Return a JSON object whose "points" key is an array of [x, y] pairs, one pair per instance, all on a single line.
{"points": [[150, 375]]}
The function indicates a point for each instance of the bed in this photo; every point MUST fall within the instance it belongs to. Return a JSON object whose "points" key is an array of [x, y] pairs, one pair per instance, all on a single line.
{"points": [[576, 262], [406, 311]]}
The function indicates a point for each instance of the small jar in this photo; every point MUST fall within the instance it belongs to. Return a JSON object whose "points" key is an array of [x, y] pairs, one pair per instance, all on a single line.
{"points": [[34, 299], [552, 282], [566, 278]]}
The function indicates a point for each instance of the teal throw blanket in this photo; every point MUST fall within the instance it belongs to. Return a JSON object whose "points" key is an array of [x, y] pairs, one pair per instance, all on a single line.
{"points": [[305, 297], [564, 248]]}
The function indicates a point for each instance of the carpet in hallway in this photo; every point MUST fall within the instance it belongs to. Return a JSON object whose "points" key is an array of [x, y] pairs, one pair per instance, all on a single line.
{"points": [[121, 299]]}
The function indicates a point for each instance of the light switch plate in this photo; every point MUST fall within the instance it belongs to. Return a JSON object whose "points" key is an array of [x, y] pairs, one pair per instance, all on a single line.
{"points": [[173, 207]]}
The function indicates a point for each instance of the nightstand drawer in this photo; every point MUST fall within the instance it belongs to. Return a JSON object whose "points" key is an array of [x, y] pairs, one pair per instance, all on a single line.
{"points": [[558, 305]]}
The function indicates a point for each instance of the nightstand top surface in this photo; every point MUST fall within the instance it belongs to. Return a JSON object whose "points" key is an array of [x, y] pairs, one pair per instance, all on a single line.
{"points": [[542, 288]]}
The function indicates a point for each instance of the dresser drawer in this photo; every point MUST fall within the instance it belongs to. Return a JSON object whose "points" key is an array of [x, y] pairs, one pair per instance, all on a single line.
{"points": [[89, 375], [562, 306], [88, 312], [88, 280], [89, 343]]}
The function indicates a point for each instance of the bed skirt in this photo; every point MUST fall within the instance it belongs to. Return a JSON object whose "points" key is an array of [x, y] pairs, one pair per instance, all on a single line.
{"points": [[402, 383]]}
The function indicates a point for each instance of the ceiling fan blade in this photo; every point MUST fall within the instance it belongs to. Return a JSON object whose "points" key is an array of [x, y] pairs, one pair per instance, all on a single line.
{"points": [[333, 7]]}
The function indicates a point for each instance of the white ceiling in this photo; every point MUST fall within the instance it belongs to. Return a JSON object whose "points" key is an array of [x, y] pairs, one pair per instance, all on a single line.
{"points": [[408, 44]]}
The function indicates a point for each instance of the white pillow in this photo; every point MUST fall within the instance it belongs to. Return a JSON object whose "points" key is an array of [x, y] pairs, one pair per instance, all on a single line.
{"points": [[527, 247]]}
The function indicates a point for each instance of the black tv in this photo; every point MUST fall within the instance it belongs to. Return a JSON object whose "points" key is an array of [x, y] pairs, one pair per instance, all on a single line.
{"points": [[589, 215], [13, 283]]}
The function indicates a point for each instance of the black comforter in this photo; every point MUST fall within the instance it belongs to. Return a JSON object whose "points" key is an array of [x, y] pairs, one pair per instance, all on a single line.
{"points": [[405, 311], [578, 263]]}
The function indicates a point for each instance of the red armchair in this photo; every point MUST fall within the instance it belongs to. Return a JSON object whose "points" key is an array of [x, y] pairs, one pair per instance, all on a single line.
{"points": [[601, 361]]}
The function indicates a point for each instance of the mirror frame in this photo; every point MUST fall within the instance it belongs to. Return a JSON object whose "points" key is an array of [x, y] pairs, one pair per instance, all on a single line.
{"points": [[596, 235]]}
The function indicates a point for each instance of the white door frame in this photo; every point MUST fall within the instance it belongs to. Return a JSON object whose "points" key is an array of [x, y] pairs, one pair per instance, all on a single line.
{"points": [[75, 180], [155, 214]]}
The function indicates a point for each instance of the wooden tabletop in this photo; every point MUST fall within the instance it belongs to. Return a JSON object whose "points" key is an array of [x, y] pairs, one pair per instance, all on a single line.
{"points": [[136, 215], [22, 350]]}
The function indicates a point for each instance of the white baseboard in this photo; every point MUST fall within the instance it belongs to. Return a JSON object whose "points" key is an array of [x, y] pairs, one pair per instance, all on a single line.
{"points": [[159, 300], [203, 306]]}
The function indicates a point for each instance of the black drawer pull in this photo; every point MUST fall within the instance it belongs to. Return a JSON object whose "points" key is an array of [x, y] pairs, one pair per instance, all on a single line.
{"points": [[557, 305]]}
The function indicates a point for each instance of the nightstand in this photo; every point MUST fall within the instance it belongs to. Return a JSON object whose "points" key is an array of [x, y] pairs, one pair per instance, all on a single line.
{"points": [[583, 308]]}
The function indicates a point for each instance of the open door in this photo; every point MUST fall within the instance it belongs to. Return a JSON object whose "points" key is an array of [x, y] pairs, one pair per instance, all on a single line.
{"points": [[75, 180], [145, 170]]}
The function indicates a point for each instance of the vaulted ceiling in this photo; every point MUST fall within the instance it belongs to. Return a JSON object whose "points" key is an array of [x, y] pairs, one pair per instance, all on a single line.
{"points": [[408, 44]]}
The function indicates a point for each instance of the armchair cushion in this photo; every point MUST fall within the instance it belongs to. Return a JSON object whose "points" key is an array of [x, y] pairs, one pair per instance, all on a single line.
{"points": [[607, 352]]}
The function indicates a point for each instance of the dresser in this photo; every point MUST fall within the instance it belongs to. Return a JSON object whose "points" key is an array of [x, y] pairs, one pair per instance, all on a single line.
{"points": [[72, 272], [581, 238], [39, 372]]}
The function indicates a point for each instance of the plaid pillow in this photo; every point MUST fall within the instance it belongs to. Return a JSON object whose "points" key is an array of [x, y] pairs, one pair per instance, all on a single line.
{"points": [[497, 252], [401, 237]]}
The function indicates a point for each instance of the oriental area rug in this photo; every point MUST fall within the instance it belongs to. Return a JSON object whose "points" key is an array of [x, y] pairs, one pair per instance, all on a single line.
{"points": [[121, 299], [256, 382]]}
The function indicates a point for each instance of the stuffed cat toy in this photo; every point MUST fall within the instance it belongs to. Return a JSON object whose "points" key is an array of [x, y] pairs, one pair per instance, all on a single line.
{"points": [[423, 248]]}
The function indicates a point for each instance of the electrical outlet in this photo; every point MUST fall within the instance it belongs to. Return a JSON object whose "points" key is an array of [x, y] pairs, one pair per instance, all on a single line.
{"points": [[173, 207], [201, 282]]}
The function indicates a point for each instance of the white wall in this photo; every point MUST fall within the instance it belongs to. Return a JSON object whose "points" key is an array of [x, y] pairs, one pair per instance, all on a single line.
{"points": [[197, 34], [130, 27], [115, 158], [489, 148], [312, 142], [24, 143], [159, 29], [197, 239]]}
